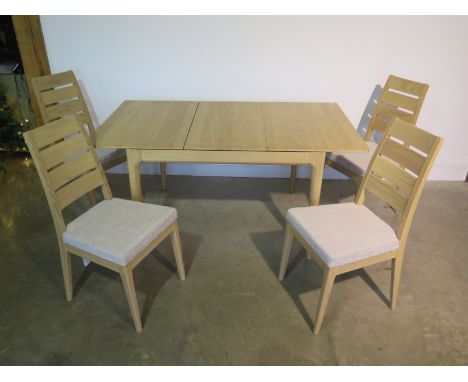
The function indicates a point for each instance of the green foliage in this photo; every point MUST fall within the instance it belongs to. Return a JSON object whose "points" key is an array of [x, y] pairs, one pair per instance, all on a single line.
{"points": [[11, 139]]}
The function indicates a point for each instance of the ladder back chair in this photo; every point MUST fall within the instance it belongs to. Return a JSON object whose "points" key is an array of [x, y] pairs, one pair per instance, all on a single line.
{"points": [[348, 236], [400, 98], [59, 95], [115, 233]]}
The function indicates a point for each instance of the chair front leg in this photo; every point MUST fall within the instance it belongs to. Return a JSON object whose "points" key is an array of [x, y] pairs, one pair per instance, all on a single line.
{"points": [[67, 273], [127, 279], [396, 273], [327, 283], [287, 245], [175, 239]]}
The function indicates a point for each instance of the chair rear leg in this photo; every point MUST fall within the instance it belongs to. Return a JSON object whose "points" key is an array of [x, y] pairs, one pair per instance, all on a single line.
{"points": [[292, 179], [175, 239], [127, 279], [92, 197], [287, 245], [162, 169], [327, 283]]}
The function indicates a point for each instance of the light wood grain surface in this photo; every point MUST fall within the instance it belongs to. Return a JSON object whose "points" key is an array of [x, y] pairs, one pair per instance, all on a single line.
{"points": [[400, 98], [309, 127], [67, 172], [227, 126], [229, 132], [57, 96], [230, 126], [147, 125], [389, 179]]}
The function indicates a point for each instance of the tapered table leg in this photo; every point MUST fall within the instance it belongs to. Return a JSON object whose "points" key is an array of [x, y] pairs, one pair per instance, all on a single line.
{"points": [[317, 163], [134, 175]]}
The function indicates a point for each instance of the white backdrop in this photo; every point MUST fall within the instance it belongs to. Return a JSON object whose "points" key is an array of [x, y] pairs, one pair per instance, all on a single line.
{"points": [[299, 58]]}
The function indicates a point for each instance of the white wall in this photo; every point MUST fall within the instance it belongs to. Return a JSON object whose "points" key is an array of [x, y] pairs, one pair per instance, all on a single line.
{"points": [[306, 58]]}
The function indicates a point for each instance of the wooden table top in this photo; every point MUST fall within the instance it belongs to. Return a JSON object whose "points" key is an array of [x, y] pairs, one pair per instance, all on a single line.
{"points": [[147, 125], [230, 126]]}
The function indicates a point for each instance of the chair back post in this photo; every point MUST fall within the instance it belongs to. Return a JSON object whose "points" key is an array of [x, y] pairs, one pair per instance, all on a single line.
{"points": [[361, 193], [54, 207], [415, 196], [400, 98], [399, 169], [67, 165], [59, 95]]}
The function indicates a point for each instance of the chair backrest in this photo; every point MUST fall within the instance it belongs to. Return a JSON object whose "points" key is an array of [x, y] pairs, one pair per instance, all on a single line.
{"points": [[399, 168], [400, 98], [67, 164], [59, 95]]}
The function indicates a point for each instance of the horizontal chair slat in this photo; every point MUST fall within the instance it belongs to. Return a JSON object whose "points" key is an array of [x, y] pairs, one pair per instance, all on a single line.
{"points": [[50, 82], [79, 187], [410, 87], [386, 192], [60, 152], [62, 94], [63, 109], [71, 170], [380, 125], [58, 130], [387, 111], [403, 156], [400, 100], [402, 180], [418, 138]]}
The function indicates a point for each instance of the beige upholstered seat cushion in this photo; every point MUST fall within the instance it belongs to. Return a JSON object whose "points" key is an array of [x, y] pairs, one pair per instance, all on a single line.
{"points": [[356, 162], [106, 155], [343, 233], [117, 230]]}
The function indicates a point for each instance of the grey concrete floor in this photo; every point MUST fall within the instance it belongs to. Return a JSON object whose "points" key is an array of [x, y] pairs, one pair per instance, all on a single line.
{"points": [[231, 310]]}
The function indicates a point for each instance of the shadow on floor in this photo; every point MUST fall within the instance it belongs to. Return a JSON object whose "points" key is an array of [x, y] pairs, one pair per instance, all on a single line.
{"points": [[150, 276], [302, 275]]}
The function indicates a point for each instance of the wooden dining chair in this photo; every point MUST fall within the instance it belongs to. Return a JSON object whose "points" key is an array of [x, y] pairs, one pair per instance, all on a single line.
{"points": [[59, 95], [347, 236], [115, 233], [400, 98]]}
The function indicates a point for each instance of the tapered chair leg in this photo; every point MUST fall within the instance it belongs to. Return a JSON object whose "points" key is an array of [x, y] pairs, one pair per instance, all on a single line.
{"points": [[396, 273], [91, 195], [162, 169], [175, 239], [67, 274], [327, 283], [287, 244], [292, 179], [127, 279]]}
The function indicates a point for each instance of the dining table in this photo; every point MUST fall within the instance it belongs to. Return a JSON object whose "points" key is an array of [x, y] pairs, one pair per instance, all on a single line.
{"points": [[228, 132]]}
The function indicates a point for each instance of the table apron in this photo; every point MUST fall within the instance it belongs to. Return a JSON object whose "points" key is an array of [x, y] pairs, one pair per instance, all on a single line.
{"points": [[231, 157], [315, 159]]}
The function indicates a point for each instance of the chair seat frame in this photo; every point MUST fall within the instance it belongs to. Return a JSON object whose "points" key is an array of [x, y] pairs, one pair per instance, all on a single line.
{"points": [[400, 187], [67, 175]]}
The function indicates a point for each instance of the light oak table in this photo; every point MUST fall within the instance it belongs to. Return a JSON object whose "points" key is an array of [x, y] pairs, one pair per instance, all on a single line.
{"points": [[229, 132]]}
